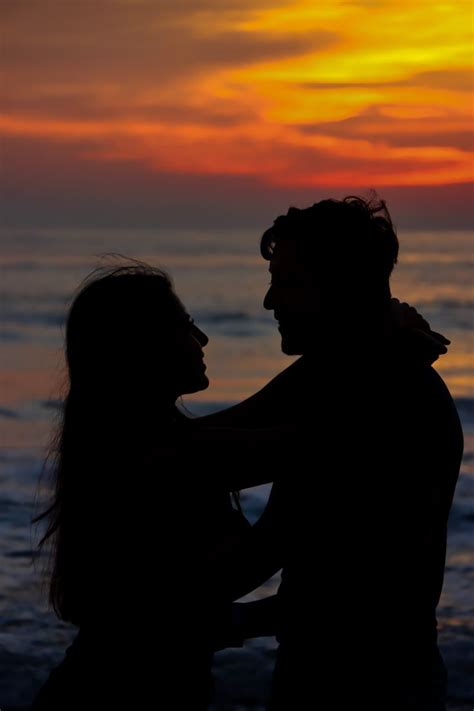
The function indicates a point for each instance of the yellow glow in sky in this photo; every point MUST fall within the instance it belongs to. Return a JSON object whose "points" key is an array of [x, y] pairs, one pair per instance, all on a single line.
{"points": [[299, 94]]}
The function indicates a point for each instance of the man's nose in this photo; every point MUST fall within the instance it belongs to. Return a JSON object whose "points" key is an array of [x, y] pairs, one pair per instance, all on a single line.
{"points": [[268, 301]]}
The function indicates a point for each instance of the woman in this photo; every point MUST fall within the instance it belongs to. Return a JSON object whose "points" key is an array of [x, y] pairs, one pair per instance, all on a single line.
{"points": [[132, 521]]}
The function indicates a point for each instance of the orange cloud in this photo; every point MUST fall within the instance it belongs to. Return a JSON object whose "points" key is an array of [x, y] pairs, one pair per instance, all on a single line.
{"points": [[294, 94]]}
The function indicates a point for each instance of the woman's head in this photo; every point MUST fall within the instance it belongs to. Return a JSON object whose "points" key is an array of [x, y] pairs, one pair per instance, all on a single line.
{"points": [[131, 351], [128, 334]]}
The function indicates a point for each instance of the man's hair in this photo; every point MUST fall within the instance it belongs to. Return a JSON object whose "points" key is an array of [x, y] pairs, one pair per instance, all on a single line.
{"points": [[353, 239]]}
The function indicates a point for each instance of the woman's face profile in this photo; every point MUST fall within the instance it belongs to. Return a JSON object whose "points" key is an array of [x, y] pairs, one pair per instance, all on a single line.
{"points": [[190, 366]]}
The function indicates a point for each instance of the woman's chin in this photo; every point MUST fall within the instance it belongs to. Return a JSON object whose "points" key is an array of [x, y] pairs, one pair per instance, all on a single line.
{"points": [[205, 382]]}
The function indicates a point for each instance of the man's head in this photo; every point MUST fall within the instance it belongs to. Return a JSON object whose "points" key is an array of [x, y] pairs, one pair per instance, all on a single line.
{"points": [[328, 262]]}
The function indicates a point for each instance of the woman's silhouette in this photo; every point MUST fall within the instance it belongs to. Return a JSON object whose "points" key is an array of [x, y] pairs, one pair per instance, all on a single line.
{"points": [[132, 522]]}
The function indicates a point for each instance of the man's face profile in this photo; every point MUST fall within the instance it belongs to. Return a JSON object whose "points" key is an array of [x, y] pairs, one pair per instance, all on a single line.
{"points": [[294, 298]]}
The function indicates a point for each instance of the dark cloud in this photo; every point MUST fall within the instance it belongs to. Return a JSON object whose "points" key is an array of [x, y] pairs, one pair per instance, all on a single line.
{"points": [[371, 124], [249, 47], [86, 105], [133, 61], [152, 55], [456, 79], [462, 140], [123, 48]]}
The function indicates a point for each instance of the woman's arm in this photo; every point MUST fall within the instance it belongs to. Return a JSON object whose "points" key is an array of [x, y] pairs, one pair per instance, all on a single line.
{"points": [[246, 620], [276, 403], [408, 329], [258, 555], [255, 619], [242, 458]]}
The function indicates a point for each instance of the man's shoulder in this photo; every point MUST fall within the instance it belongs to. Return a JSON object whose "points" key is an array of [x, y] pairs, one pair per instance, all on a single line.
{"points": [[417, 403], [294, 372], [420, 382]]}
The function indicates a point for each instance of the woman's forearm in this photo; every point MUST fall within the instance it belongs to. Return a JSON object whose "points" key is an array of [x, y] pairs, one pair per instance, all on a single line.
{"points": [[255, 619]]}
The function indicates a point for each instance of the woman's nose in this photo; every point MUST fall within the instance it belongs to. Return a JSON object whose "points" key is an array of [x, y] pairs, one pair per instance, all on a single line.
{"points": [[202, 337]]}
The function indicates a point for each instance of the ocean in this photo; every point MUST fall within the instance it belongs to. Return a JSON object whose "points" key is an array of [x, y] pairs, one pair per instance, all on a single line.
{"points": [[222, 280]]}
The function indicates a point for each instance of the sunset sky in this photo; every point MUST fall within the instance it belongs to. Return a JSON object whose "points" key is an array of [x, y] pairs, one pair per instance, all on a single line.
{"points": [[224, 112]]}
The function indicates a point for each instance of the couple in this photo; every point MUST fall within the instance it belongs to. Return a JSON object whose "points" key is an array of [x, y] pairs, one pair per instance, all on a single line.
{"points": [[359, 436]]}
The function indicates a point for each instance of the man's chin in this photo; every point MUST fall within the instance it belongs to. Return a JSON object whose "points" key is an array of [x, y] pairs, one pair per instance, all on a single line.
{"points": [[291, 346]]}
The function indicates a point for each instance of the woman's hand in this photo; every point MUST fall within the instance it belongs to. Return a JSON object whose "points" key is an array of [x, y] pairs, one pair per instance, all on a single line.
{"points": [[406, 319]]}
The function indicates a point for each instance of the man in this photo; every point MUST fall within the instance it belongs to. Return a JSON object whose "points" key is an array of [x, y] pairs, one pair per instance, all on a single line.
{"points": [[358, 518]]}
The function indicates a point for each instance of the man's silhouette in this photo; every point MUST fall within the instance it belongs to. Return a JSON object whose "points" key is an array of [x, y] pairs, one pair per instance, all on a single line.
{"points": [[358, 518]]}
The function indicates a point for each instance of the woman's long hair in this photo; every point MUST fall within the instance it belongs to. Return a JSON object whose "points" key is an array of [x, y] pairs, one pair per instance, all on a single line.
{"points": [[120, 397]]}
